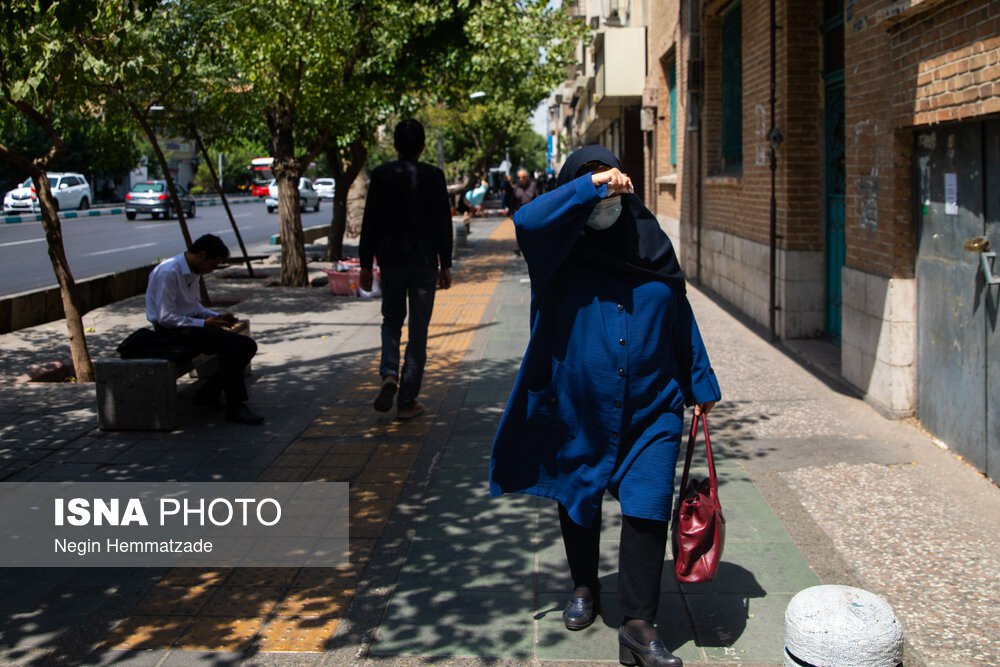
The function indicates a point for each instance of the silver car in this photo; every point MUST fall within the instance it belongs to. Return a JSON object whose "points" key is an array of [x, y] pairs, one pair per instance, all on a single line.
{"points": [[308, 197], [153, 197], [69, 189]]}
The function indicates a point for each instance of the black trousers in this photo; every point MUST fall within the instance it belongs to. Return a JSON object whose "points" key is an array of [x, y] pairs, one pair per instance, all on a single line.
{"points": [[234, 351], [640, 560]]}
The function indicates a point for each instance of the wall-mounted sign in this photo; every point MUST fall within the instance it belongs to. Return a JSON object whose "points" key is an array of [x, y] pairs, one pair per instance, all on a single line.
{"points": [[951, 194]]}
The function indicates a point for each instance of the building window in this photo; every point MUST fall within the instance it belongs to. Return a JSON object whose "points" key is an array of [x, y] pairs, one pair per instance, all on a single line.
{"points": [[732, 88], [672, 92]]}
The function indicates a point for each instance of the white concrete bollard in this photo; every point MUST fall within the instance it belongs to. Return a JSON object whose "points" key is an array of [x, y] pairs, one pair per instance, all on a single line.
{"points": [[841, 626]]}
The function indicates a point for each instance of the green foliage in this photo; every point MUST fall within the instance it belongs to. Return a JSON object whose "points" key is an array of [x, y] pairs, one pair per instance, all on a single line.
{"points": [[528, 150], [515, 53], [236, 156]]}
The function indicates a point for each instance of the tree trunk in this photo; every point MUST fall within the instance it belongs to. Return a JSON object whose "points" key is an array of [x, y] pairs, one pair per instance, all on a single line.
{"points": [[83, 367], [344, 179], [287, 171]]}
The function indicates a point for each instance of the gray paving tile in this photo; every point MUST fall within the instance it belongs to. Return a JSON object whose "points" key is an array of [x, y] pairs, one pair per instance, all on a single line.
{"points": [[498, 564], [427, 622], [738, 628], [599, 642], [116, 658]]}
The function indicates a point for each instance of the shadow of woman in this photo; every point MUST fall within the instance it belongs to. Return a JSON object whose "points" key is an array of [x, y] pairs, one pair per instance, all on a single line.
{"points": [[712, 614]]}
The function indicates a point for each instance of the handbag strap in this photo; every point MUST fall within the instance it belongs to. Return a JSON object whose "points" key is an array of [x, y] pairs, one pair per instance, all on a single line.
{"points": [[692, 437]]}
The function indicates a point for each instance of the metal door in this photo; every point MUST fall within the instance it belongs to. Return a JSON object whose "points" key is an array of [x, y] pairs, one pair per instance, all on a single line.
{"points": [[991, 298], [956, 309]]}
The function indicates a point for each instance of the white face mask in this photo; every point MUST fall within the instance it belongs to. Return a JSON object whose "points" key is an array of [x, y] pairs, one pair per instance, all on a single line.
{"points": [[605, 213]]}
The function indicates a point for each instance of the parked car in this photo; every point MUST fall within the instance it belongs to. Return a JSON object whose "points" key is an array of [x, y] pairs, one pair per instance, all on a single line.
{"points": [[325, 187], [70, 191], [308, 197], [153, 197]]}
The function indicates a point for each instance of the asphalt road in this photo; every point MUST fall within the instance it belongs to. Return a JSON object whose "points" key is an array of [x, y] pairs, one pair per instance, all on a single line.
{"points": [[106, 244]]}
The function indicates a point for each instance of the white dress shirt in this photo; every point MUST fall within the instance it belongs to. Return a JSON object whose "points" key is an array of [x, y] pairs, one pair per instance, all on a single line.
{"points": [[172, 296]]}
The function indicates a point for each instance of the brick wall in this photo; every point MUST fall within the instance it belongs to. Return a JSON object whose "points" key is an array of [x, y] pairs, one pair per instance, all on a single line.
{"points": [[930, 64], [740, 203]]}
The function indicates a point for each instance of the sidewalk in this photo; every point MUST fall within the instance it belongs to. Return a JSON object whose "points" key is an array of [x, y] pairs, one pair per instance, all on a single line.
{"points": [[817, 488]]}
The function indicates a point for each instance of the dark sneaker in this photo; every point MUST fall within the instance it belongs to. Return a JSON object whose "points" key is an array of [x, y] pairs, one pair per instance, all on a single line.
{"points": [[414, 409], [383, 402]]}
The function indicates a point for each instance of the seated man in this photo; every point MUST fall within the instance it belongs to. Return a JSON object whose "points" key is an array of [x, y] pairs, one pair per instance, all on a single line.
{"points": [[173, 307]]}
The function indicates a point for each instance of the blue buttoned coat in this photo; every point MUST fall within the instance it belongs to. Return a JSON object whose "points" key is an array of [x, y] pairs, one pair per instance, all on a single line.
{"points": [[612, 361]]}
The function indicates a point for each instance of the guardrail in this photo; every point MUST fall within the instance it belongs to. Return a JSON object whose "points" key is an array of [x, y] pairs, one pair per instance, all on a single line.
{"points": [[27, 309], [118, 209]]}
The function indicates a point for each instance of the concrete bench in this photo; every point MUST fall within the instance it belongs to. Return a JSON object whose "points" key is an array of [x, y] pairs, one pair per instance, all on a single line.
{"points": [[141, 394]]}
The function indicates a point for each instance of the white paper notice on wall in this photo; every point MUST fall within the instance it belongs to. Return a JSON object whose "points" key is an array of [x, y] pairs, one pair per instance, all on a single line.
{"points": [[951, 194]]}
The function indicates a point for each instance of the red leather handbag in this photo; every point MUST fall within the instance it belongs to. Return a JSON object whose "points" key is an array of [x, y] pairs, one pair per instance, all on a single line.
{"points": [[699, 530]]}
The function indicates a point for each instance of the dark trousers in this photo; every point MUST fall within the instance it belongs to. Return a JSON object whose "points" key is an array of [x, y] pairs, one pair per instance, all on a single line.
{"points": [[402, 286], [640, 560], [234, 351]]}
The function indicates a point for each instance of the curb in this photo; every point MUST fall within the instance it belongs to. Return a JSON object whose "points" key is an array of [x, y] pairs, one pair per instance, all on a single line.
{"points": [[116, 210]]}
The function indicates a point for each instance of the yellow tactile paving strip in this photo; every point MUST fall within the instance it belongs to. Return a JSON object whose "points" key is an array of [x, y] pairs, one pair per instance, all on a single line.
{"points": [[298, 609]]}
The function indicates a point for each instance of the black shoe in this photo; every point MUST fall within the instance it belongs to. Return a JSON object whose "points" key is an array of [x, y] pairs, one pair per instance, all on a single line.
{"points": [[383, 402], [653, 654], [580, 612], [241, 414]]}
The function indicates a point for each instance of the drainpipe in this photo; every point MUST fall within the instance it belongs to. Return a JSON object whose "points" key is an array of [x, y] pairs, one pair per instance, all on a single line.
{"points": [[695, 86], [775, 139]]}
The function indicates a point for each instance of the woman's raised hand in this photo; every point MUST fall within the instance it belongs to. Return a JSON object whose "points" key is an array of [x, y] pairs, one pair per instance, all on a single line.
{"points": [[616, 181]]}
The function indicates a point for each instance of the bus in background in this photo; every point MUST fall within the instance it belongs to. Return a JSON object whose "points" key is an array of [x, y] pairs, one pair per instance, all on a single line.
{"points": [[261, 175]]}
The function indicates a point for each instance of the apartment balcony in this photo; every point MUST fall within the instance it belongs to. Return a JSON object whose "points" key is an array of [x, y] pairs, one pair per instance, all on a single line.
{"points": [[620, 65]]}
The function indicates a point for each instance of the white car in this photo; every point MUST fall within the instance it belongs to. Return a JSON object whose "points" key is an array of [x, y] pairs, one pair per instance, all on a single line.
{"points": [[308, 197], [70, 191], [325, 187]]}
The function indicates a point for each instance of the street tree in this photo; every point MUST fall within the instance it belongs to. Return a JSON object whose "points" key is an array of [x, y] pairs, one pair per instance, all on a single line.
{"points": [[512, 67], [43, 77], [147, 74], [515, 52], [325, 74]]}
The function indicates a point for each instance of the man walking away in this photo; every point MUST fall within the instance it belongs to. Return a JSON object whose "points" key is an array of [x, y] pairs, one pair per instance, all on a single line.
{"points": [[173, 308], [407, 229]]}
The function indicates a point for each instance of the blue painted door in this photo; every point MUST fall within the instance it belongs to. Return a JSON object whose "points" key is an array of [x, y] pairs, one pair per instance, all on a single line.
{"points": [[958, 351], [836, 247], [834, 167]]}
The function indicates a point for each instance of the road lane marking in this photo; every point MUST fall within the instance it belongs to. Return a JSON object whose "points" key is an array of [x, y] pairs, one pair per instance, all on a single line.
{"points": [[4, 245], [108, 252]]}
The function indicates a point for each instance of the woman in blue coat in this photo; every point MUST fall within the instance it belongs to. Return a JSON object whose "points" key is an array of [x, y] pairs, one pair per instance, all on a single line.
{"points": [[614, 357]]}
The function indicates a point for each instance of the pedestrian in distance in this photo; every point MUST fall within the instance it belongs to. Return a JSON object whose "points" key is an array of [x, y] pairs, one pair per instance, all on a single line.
{"points": [[406, 228], [522, 191], [176, 313], [614, 357], [474, 198]]}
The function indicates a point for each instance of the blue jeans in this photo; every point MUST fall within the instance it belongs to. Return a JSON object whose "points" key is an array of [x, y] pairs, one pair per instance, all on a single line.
{"points": [[414, 285]]}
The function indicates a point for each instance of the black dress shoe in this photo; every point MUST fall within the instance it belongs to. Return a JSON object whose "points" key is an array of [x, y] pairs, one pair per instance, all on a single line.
{"points": [[241, 414], [580, 612], [653, 654]]}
